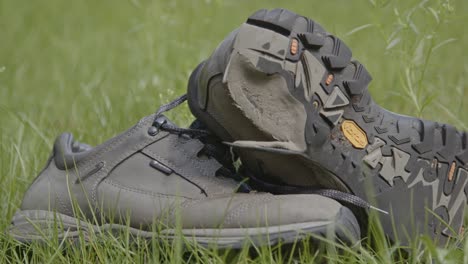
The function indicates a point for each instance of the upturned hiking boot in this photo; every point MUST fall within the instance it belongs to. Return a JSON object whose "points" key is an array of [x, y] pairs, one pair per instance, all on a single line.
{"points": [[291, 99], [154, 173]]}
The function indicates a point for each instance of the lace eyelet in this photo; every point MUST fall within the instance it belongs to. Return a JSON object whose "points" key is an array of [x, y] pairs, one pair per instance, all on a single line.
{"points": [[153, 131], [159, 122]]}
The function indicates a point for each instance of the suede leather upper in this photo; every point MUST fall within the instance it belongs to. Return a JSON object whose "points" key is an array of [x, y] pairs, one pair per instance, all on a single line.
{"points": [[115, 180]]}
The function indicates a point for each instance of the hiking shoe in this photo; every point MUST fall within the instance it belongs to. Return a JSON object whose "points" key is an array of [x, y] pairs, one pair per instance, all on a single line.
{"points": [[157, 172], [289, 96]]}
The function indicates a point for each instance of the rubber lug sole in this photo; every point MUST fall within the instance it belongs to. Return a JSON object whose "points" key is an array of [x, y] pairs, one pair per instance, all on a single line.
{"points": [[417, 169]]}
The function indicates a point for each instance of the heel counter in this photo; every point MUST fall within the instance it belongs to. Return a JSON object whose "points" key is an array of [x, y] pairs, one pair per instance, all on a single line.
{"points": [[40, 195]]}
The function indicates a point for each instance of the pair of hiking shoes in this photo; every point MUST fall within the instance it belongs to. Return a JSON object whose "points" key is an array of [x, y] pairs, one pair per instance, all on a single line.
{"points": [[317, 155]]}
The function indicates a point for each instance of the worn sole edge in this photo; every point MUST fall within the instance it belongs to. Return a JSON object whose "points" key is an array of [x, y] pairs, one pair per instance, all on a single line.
{"points": [[25, 225]]}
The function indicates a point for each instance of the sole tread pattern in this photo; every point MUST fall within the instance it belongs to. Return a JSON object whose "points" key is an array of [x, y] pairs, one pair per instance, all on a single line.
{"points": [[340, 56], [417, 154]]}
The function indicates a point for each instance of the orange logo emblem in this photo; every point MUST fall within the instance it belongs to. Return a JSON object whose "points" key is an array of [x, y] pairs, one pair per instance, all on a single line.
{"points": [[294, 46], [354, 134]]}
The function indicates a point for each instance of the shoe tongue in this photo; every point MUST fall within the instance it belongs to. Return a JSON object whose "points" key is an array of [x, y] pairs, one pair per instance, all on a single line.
{"points": [[197, 124], [223, 156]]}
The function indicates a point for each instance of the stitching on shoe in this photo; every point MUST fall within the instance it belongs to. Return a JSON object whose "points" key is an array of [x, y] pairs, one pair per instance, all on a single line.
{"points": [[177, 169], [103, 173], [136, 190], [113, 143]]}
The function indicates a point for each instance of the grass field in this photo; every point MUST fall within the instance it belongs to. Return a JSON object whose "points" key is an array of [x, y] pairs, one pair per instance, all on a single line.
{"points": [[95, 67]]}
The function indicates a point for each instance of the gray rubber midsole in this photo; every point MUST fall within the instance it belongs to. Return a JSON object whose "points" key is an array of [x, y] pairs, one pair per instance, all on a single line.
{"points": [[32, 225]]}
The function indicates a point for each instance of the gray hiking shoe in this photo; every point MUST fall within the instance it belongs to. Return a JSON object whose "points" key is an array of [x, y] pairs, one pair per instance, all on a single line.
{"points": [[289, 97], [154, 172]]}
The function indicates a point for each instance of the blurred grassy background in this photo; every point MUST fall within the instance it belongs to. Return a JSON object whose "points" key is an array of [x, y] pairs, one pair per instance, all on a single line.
{"points": [[95, 67]]}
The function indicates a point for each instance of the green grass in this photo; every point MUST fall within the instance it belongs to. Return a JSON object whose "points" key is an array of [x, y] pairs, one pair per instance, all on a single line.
{"points": [[95, 67]]}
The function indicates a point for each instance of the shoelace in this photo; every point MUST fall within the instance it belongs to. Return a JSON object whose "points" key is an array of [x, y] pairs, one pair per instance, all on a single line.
{"points": [[161, 123], [259, 184], [209, 149], [330, 193]]}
